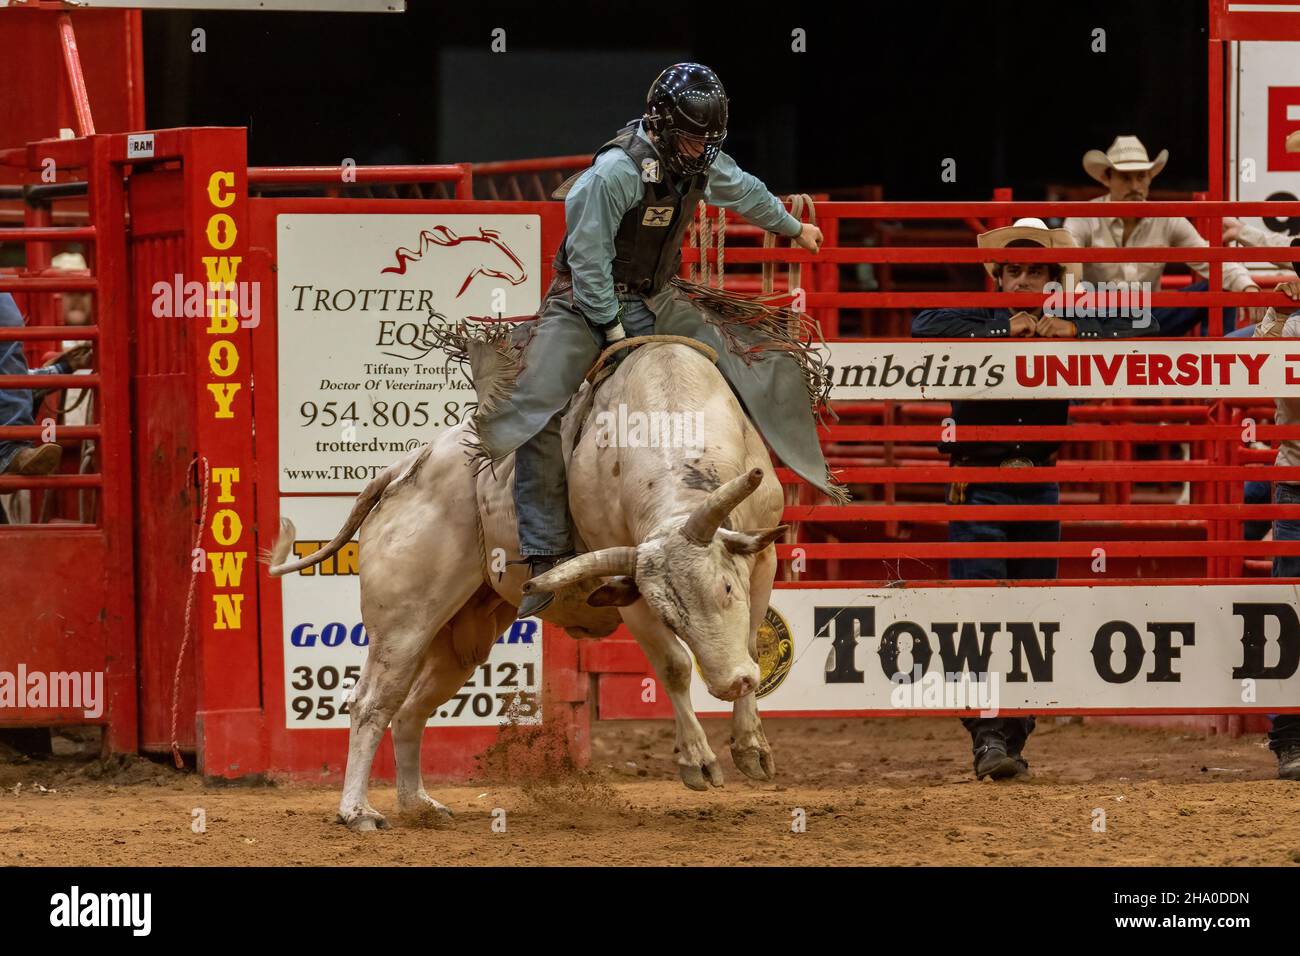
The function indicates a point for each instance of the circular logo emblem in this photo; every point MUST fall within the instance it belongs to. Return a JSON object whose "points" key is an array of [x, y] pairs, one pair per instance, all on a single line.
{"points": [[775, 651]]}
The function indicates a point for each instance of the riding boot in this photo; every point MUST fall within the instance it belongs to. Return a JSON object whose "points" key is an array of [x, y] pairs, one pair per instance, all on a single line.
{"points": [[539, 600]]}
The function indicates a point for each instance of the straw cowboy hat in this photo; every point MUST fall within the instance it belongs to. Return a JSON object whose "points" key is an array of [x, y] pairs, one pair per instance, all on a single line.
{"points": [[69, 262], [1125, 154], [1034, 231]]}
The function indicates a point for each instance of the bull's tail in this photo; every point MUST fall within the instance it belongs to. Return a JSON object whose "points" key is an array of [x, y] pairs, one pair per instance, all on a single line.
{"points": [[364, 504]]}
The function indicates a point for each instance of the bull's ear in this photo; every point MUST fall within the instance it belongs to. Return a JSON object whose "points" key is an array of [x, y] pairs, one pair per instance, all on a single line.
{"points": [[751, 542], [619, 592]]}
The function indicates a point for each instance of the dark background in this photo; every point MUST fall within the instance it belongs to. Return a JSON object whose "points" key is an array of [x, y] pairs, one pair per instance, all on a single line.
{"points": [[1010, 89]]}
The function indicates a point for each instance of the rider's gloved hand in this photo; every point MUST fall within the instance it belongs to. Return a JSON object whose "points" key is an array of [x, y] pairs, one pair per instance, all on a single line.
{"points": [[613, 333]]}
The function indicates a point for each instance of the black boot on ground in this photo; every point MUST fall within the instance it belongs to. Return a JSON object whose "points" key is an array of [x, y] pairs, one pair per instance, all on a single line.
{"points": [[992, 760], [1288, 762]]}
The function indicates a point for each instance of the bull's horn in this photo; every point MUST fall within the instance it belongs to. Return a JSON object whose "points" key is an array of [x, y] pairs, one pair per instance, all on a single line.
{"points": [[708, 517], [605, 563]]}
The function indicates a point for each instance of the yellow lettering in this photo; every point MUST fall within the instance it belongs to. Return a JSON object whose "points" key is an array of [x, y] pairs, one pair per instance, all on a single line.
{"points": [[226, 526], [223, 357], [218, 197], [224, 393], [224, 314], [219, 226], [344, 561], [302, 549], [225, 477], [347, 559], [227, 568], [229, 611], [222, 270]]}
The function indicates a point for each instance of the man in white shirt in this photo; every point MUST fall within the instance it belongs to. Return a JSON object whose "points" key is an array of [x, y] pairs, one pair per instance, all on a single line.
{"points": [[1126, 171]]}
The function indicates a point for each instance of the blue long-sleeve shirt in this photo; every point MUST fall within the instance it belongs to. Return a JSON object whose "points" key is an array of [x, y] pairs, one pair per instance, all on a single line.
{"points": [[601, 197], [16, 406], [996, 323]]}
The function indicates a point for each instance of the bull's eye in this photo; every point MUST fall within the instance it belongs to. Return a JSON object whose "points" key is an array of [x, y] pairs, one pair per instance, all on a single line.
{"points": [[728, 587]]}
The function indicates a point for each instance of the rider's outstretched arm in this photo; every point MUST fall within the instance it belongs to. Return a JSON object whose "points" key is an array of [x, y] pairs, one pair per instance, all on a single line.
{"points": [[732, 188]]}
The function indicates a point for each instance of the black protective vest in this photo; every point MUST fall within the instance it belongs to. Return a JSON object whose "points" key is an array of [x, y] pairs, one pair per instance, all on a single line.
{"points": [[648, 244]]}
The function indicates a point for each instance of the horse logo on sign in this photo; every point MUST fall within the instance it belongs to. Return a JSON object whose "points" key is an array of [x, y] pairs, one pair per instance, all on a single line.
{"points": [[511, 271]]}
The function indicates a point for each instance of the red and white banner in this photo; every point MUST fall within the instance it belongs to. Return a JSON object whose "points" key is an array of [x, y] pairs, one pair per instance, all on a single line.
{"points": [[1064, 368], [1168, 649]]}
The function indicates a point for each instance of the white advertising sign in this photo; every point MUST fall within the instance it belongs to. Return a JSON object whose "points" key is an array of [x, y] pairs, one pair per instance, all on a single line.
{"points": [[1064, 368], [1176, 649], [1265, 110], [361, 383], [325, 642]]}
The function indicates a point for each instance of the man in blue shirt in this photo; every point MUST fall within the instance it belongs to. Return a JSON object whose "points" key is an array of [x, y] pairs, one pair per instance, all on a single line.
{"points": [[998, 741], [625, 218]]}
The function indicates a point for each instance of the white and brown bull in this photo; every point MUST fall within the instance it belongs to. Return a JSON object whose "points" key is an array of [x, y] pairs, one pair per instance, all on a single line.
{"points": [[662, 525]]}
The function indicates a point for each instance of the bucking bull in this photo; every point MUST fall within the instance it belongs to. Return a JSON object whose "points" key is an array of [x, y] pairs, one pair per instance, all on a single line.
{"points": [[679, 540]]}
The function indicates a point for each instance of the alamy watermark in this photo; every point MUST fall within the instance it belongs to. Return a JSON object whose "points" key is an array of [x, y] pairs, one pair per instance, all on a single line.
{"points": [[53, 690], [129, 910], [634, 429], [223, 299], [1099, 300], [933, 690]]}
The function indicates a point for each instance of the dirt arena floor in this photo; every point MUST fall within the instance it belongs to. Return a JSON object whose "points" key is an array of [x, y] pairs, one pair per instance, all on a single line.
{"points": [[873, 792]]}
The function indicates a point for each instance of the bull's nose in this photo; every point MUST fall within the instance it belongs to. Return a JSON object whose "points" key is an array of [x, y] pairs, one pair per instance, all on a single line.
{"points": [[741, 685]]}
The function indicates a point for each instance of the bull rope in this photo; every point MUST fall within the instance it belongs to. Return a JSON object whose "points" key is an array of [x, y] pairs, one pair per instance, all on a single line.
{"points": [[701, 236], [703, 348], [794, 271], [189, 613], [706, 240]]}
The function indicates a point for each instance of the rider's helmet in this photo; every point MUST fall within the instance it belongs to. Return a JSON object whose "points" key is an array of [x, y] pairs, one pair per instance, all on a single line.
{"points": [[686, 110]]}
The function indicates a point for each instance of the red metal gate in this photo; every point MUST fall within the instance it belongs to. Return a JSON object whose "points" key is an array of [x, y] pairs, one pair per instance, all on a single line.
{"points": [[68, 586]]}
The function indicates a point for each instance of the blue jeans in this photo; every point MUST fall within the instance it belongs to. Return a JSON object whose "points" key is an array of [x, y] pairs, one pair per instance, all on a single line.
{"points": [[541, 486], [1256, 493], [1179, 320], [1286, 727], [1014, 730], [1003, 569]]}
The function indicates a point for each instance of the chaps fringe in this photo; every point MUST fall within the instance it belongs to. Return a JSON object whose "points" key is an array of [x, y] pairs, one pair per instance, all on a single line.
{"points": [[491, 362], [778, 328]]}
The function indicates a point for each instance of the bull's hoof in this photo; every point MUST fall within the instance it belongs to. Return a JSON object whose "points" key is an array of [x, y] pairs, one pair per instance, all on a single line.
{"points": [[423, 810], [701, 776], [754, 763], [363, 820]]}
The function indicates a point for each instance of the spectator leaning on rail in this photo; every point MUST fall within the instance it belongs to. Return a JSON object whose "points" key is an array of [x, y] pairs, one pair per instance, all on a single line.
{"points": [[1284, 738], [998, 742], [1127, 172], [625, 217], [17, 406], [1244, 234]]}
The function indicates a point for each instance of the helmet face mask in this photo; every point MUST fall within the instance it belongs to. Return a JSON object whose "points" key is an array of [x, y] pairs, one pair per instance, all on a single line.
{"points": [[686, 110], [692, 155]]}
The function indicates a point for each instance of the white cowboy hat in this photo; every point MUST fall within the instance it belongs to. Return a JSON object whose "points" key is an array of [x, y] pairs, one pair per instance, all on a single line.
{"points": [[1125, 154], [1030, 230], [1293, 142], [69, 262]]}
